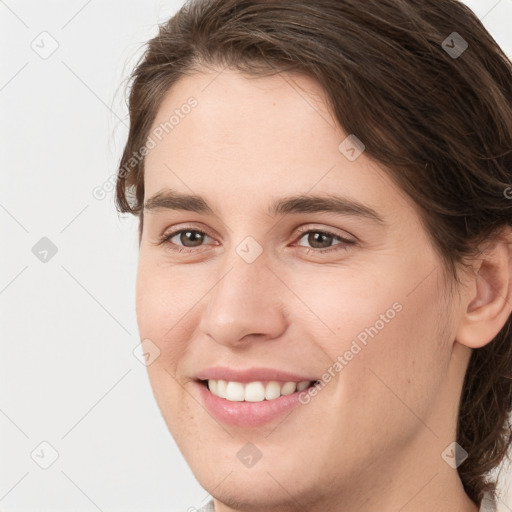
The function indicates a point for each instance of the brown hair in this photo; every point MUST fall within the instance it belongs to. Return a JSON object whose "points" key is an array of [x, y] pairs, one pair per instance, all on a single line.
{"points": [[440, 124]]}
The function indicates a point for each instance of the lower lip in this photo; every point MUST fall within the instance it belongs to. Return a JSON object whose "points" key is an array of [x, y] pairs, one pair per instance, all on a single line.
{"points": [[247, 414]]}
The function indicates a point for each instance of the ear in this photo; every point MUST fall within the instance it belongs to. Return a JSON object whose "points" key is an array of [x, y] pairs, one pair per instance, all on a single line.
{"points": [[487, 300]]}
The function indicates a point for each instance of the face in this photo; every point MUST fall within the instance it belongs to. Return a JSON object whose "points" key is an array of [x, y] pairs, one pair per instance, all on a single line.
{"points": [[251, 289]]}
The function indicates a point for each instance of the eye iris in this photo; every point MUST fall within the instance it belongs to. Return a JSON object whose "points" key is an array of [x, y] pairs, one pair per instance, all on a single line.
{"points": [[313, 238], [195, 237]]}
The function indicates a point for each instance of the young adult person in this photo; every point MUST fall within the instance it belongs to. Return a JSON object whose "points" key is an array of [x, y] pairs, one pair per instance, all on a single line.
{"points": [[325, 270]]}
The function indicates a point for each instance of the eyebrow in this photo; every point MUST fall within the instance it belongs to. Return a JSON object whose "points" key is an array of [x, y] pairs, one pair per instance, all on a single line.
{"points": [[303, 203]]}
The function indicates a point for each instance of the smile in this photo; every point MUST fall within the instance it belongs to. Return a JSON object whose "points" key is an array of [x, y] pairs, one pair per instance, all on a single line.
{"points": [[250, 403], [256, 391]]}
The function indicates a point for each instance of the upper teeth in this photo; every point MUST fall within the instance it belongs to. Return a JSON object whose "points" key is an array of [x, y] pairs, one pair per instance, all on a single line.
{"points": [[254, 391]]}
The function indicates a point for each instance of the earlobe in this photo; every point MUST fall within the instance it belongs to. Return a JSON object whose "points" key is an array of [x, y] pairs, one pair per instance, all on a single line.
{"points": [[488, 296]]}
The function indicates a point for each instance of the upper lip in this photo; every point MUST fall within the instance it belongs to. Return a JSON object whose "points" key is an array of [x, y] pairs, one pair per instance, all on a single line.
{"points": [[250, 375]]}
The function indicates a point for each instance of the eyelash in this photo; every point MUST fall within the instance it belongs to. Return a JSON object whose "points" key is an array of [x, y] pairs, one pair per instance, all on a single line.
{"points": [[165, 239]]}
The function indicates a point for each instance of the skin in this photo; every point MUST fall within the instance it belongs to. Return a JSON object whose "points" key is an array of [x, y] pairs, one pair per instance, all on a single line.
{"points": [[372, 439]]}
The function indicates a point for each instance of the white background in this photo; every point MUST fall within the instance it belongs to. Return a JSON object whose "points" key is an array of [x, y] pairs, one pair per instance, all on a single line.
{"points": [[68, 375]]}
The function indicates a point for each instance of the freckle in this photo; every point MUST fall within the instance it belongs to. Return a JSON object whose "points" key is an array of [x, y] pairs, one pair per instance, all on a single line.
{"points": [[408, 381]]}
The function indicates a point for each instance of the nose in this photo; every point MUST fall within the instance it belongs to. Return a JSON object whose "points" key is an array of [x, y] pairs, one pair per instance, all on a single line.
{"points": [[245, 304]]}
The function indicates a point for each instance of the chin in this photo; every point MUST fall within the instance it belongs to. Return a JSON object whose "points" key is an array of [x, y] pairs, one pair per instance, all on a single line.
{"points": [[260, 492], [274, 482]]}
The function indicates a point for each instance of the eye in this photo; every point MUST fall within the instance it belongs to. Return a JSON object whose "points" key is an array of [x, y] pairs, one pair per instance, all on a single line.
{"points": [[189, 237], [321, 241], [187, 240]]}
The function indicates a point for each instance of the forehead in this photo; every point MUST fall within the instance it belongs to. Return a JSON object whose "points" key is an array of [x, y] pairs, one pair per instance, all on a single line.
{"points": [[236, 116], [256, 137]]}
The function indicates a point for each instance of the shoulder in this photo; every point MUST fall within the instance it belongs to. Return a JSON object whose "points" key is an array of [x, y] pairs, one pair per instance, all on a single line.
{"points": [[209, 507], [488, 504]]}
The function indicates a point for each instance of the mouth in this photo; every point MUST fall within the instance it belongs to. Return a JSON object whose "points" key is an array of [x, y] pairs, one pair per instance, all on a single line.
{"points": [[251, 404], [256, 391], [251, 396]]}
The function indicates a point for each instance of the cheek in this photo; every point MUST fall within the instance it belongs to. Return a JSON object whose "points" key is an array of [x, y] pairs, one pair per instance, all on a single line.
{"points": [[164, 306], [383, 332], [342, 307], [161, 294], [398, 372]]}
